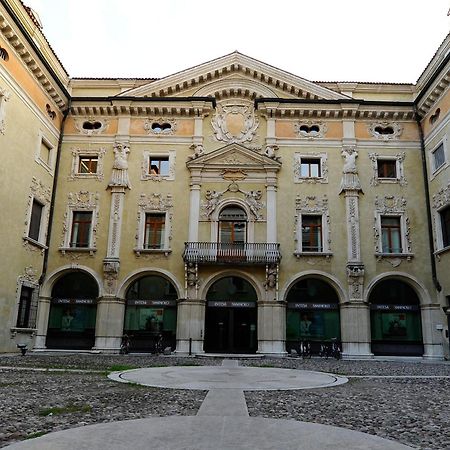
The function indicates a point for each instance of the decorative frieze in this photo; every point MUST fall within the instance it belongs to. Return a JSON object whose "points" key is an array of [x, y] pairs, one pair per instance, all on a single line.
{"points": [[385, 131], [441, 198], [309, 129], [399, 178]]}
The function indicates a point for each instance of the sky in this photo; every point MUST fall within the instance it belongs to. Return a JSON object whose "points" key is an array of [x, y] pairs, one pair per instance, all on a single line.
{"points": [[320, 40]]}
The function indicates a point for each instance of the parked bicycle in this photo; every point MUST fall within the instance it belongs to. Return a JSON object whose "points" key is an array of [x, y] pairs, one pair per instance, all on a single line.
{"points": [[125, 345], [331, 349], [158, 345], [305, 349]]}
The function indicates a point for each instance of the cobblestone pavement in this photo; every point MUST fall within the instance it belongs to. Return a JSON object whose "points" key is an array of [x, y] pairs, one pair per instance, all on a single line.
{"points": [[414, 411]]}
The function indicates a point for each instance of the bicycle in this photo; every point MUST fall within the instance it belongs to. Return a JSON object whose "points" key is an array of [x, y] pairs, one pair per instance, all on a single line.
{"points": [[125, 345], [331, 349], [159, 346], [305, 349]]}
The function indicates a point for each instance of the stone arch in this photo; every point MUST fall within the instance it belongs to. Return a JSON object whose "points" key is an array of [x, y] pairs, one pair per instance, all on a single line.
{"points": [[413, 282], [53, 277], [324, 276], [139, 273]]}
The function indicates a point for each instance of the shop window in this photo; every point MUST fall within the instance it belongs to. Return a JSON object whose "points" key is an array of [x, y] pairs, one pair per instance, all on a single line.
{"points": [[81, 229], [391, 238], [154, 231], [158, 165], [445, 226], [310, 167], [387, 168], [438, 157], [312, 240], [87, 164], [34, 231], [26, 315]]}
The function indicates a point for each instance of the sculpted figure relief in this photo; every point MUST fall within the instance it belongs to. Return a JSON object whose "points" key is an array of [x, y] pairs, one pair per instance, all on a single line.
{"points": [[119, 176]]}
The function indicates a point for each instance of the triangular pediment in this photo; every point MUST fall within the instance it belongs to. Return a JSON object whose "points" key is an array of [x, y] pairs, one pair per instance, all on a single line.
{"points": [[235, 157], [235, 75]]}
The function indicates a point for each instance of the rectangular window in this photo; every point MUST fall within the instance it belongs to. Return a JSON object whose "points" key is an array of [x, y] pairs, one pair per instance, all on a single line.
{"points": [[312, 234], [391, 238], [445, 226], [154, 231], [387, 168], [81, 229], [46, 152], [35, 221], [88, 164], [310, 167], [26, 316], [439, 156], [159, 165]]}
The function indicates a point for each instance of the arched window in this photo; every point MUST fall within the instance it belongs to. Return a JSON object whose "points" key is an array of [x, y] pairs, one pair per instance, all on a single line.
{"points": [[232, 225]]}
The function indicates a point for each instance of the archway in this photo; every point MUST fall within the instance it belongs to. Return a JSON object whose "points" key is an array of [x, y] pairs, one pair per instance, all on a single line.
{"points": [[151, 312], [73, 311], [312, 314], [395, 319], [231, 317]]}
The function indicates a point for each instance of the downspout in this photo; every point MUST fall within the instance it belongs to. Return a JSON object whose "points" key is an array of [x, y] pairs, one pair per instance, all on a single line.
{"points": [[52, 202], [436, 283]]}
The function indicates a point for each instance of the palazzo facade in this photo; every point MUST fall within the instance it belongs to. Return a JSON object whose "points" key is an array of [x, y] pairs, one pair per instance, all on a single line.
{"points": [[231, 207]]}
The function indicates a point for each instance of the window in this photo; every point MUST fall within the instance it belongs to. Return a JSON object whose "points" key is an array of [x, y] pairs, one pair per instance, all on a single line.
{"points": [[87, 164], [4, 54], [445, 226], [232, 225], [387, 168], [312, 233], [154, 231], [26, 316], [391, 239], [35, 221], [310, 167], [81, 229], [159, 165], [438, 156], [46, 152]]}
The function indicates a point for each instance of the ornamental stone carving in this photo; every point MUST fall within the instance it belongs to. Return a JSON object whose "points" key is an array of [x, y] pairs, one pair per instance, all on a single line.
{"points": [[198, 150], [119, 176], [4, 97], [385, 131], [91, 125], [111, 267], [211, 202], [309, 129], [442, 197], [355, 279], [161, 126], [400, 178], [271, 276], [235, 122], [252, 198], [350, 180], [270, 152]]}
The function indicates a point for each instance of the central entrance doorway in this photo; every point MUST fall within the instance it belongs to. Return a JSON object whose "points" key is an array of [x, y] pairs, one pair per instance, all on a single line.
{"points": [[231, 317]]}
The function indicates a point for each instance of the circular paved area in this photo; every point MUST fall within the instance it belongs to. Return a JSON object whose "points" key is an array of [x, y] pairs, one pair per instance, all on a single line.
{"points": [[205, 433], [217, 377]]}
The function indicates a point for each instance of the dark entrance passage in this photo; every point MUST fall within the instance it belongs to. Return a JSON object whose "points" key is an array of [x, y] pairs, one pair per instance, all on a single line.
{"points": [[395, 320], [231, 317], [73, 311]]}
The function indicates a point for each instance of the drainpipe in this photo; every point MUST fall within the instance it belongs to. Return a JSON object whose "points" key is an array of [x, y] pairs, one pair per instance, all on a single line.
{"points": [[436, 283], [52, 202]]}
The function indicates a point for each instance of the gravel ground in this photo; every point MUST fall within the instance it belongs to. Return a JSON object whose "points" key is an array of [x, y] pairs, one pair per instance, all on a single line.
{"points": [[414, 411]]}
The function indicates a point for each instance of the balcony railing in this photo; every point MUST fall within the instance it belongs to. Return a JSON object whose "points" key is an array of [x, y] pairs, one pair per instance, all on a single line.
{"points": [[221, 253]]}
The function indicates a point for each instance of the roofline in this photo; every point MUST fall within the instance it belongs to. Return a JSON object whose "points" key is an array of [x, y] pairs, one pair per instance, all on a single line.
{"points": [[346, 101], [145, 99]]}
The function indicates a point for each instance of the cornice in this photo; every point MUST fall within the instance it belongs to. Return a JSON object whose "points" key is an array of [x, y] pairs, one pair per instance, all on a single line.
{"points": [[35, 61]]}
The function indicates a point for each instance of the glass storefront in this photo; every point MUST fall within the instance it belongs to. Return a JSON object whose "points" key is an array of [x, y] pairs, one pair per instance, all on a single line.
{"points": [[73, 311], [395, 320], [151, 312], [312, 314]]}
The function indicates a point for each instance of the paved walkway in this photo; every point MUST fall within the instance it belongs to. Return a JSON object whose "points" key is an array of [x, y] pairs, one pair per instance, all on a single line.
{"points": [[222, 421]]}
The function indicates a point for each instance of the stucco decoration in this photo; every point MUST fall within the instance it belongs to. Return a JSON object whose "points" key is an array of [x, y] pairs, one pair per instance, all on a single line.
{"points": [[161, 126], [91, 125], [80, 201], [119, 176], [309, 129], [111, 267], [270, 152], [298, 178], [154, 203], [385, 131], [442, 197], [235, 122], [198, 150], [271, 281], [399, 158], [355, 279], [210, 204], [78, 152], [350, 180], [394, 206], [4, 97], [312, 205]]}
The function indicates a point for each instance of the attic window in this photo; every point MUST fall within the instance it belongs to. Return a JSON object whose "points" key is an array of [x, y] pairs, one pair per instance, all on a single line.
{"points": [[161, 127], [384, 130], [435, 116], [4, 54], [311, 129], [91, 125]]}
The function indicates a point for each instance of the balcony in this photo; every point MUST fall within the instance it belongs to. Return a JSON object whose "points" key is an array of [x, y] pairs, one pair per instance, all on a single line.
{"points": [[241, 254]]}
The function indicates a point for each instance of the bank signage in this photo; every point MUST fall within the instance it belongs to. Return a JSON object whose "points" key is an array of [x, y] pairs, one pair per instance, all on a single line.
{"points": [[73, 301], [313, 305], [394, 307], [160, 303], [231, 304]]}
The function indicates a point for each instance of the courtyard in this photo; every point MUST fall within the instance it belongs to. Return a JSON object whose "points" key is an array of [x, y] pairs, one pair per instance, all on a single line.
{"points": [[404, 401]]}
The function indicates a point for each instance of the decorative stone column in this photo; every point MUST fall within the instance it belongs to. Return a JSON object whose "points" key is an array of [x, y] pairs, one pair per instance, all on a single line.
{"points": [[355, 315], [110, 309]]}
